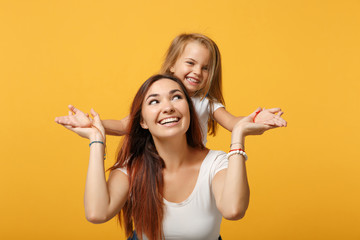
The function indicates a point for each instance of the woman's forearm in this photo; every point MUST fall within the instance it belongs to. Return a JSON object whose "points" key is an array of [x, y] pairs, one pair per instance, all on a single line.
{"points": [[96, 198], [236, 193]]}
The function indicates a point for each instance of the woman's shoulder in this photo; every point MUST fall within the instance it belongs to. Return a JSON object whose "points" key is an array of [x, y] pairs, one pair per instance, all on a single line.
{"points": [[214, 158]]}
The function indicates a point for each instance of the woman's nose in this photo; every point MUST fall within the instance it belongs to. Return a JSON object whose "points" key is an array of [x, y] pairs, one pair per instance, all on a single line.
{"points": [[168, 107]]}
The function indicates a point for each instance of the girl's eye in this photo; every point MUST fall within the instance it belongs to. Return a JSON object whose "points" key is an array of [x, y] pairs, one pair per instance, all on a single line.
{"points": [[190, 63], [205, 68]]}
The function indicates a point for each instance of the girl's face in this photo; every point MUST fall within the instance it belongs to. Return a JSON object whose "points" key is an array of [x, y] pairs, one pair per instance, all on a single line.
{"points": [[165, 111], [192, 67]]}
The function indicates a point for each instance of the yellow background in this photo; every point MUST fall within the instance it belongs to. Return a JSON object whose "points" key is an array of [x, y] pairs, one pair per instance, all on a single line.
{"points": [[303, 56]]}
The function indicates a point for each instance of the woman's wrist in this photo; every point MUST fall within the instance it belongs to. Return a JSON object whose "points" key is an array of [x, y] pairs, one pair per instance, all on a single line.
{"points": [[238, 136], [96, 137], [237, 145]]}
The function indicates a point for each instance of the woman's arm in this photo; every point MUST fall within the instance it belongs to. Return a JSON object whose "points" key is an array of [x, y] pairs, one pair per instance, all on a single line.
{"points": [[230, 186], [270, 117], [102, 200]]}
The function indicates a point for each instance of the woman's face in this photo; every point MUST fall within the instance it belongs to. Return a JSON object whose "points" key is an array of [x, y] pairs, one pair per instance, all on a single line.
{"points": [[192, 67], [165, 111]]}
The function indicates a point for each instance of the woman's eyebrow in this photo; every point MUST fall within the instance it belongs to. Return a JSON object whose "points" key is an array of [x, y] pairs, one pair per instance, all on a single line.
{"points": [[174, 91], [152, 95], [170, 92]]}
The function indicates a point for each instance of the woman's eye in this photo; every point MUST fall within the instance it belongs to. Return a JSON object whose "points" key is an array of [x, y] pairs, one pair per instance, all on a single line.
{"points": [[152, 102], [176, 97]]}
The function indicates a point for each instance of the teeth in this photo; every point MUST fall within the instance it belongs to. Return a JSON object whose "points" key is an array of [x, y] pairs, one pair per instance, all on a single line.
{"points": [[192, 80], [168, 120]]}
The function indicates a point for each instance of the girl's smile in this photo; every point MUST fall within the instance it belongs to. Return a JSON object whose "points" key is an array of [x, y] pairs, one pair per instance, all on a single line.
{"points": [[192, 67]]}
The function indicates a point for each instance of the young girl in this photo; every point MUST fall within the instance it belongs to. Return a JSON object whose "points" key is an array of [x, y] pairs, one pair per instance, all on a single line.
{"points": [[165, 183], [195, 60]]}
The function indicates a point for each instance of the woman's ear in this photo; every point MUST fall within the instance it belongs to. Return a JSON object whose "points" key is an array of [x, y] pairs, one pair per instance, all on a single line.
{"points": [[143, 124], [172, 69]]}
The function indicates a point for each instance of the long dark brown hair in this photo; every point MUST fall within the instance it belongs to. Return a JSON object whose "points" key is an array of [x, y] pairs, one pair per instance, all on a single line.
{"points": [[144, 208]]}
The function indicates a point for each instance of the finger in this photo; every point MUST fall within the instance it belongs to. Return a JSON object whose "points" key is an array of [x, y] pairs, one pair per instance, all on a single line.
{"points": [[279, 122], [280, 113], [93, 113], [70, 113], [95, 116], [73, 109], [68, 126], [280, 119], [270, 122], [61, 120], [274, 110]]}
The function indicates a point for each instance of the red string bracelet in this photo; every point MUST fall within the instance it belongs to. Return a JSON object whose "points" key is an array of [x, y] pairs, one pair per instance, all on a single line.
{"points": [[256, 115]]}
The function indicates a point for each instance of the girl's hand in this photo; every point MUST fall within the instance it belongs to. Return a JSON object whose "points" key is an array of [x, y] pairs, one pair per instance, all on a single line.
{"points": [[246, 127], [82, 124], [76, 118], [271, 117]]}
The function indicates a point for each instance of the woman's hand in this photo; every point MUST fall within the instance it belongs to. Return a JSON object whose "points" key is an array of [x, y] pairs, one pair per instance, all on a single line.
{"points": [[270, 117], [82, 124]]}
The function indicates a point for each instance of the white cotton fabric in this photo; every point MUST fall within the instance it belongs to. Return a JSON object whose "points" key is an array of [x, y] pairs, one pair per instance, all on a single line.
{"points": [[202, 109], [196, 218]]}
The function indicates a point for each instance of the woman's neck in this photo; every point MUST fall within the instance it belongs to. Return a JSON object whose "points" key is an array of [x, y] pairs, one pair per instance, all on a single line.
{"points": [[175, 152]]}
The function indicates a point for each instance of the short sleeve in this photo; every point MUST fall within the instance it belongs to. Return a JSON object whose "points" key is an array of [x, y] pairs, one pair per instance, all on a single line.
{"points": [[220, 162], [217, 105], [122, 169]]}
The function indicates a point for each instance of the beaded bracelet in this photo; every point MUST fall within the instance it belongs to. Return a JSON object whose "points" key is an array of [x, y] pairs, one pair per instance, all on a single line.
{"points": [[237, 151], [98, 142]]}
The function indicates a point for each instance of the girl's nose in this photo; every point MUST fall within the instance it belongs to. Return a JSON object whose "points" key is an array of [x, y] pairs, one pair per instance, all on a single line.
{"points": [[197, 70]]}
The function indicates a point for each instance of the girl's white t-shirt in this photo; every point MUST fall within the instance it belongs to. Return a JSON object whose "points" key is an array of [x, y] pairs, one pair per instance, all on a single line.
{"points": [[196, 218], [202, 109]]}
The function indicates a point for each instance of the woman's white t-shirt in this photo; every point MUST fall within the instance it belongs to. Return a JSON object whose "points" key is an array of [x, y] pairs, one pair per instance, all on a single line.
{"points": [[196, 218]]}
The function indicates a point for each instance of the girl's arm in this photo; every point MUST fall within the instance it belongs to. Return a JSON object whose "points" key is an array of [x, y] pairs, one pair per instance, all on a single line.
{"points": [[226, 119], [116, 127], [271, 117], [102, 200], [230, 186], [80, 119]]}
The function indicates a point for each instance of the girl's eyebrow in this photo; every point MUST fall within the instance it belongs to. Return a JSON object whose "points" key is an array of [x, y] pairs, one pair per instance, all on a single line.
{"points": [[191, 59], [156, 94]]}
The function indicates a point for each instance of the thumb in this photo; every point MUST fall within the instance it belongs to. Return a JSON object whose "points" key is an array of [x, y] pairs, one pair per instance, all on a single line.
{"points": [[95, 115]]}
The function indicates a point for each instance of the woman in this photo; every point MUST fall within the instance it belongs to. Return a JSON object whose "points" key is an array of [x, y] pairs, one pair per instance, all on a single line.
{"points": [[165, 183]]}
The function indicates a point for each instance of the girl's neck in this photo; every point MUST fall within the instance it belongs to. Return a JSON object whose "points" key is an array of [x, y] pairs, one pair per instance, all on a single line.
{"points": [[175, 152]]}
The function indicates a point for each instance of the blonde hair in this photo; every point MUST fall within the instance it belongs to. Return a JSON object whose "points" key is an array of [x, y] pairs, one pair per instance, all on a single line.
{"points": [[213, 87]]}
